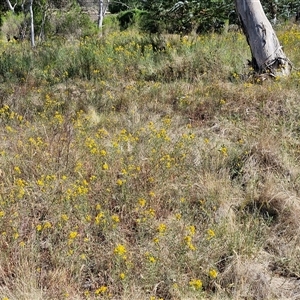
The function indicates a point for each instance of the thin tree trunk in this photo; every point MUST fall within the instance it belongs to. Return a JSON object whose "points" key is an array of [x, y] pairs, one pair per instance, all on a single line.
{"points": [[103, 6], [267, 53], [31, 25], [100, 14]]}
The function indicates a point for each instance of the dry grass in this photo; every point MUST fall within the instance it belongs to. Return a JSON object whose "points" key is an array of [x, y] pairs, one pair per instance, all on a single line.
{"points": [[132, 172]]}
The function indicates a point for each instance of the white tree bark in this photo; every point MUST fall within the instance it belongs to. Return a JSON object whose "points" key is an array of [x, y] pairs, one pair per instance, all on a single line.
{"points": [[100, 14], [32, 39], [12, 8], [103, 6], [267, 53]]}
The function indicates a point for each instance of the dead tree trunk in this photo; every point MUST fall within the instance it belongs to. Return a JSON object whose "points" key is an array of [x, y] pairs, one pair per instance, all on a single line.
{"points": [[267, 53]]}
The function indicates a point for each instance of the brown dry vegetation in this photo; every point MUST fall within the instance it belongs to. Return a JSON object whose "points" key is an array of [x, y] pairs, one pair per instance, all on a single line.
{"points": [[132, 172]]}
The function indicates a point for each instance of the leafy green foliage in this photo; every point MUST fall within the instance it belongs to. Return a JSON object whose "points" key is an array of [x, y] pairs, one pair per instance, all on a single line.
{"points": [[11, 24], [74, 22], [128, 18], [153, 16], [118, 6], [185, 16], [154, 19], [203, 16], [283, 9], [213, 14]]}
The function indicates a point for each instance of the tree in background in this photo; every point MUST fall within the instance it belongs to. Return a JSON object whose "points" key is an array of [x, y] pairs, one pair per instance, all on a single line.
{"points": [[186, 16], [154, 19], [30, 19], [207, 15], [285, 9]]}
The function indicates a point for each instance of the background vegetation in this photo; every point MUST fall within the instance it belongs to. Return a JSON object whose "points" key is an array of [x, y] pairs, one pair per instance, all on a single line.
{"points": [[147, 167], [52, 17]]}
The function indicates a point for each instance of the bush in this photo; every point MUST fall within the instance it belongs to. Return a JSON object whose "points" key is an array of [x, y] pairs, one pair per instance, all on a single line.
{"points": [[129, 17], [73, 23], [12, 24]]}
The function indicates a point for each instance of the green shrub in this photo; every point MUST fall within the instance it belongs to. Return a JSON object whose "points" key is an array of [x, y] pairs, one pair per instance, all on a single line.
{"points": [[73, 23], [12, 24]]}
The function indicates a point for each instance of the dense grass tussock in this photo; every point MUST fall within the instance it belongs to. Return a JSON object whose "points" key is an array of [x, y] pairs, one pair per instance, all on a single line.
{"points": [[135, 167]]}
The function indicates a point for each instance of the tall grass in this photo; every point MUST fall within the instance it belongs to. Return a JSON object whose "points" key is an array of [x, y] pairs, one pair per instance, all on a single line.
{"points": [[142, 168]]}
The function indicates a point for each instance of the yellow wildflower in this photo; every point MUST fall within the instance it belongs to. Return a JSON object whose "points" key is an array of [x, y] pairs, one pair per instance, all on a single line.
{"points": [[213, 273], [17, 169], [103, 152], [152, 259], [211, 234], [73, 235], [178, 216], [101, 290], [196, 284], [151, 194], [115, 218], [156, 240], [161, 228], [224, 150], [142, 202], [47, 224], [120, 250], [64, 217], [105, 166], [192, 229], [120, 182], [99, 217]]}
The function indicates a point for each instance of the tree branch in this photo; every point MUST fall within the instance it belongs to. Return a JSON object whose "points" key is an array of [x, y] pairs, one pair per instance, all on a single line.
{"points": [[12, 8]]}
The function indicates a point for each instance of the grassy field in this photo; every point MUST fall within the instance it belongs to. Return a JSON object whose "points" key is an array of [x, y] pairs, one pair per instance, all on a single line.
{"points": [[148, 168]]}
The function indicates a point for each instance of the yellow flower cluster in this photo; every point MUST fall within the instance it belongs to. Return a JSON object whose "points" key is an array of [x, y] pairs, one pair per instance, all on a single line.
{"points": [[196, 284], [120, 251], [188, 239]]}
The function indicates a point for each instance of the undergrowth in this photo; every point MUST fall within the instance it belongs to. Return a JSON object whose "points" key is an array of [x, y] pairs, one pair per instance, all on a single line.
{"points": [[147, 168]]}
